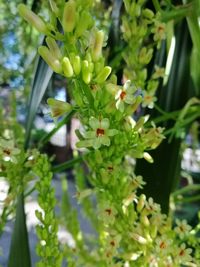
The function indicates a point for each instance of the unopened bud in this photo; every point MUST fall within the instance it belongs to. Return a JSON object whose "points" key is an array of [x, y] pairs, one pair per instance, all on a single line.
{"points": [[67, 67], [148, 157], [58, 108], [141, 202], [139, 239], [54, 7], [53, 47], [144, 219], [98, 156], [69, 16], [103, 75], [148, 13], [83, 23], [32, 18], [153, 230], [76, 64], [53, 62], [97, 45], [86, 74], [141, 122]]}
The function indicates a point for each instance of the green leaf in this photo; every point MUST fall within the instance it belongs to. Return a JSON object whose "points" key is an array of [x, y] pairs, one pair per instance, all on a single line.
{"points": [[19, 251], [41, 80]]}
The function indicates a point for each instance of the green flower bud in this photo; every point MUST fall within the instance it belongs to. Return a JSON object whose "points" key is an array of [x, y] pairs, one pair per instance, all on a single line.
{"points": [[153, 230], [86, 74], [98, 156], [38, 214], [76, 64], [144, 220], [148, 13], [103, 75], [54, 7], [83, 23], [141, 202], [32, 18], [53, 62], [69, 16], [58, 108], [139, 239], [97, 45], [53, 47], [148, 157], [67, 67]]}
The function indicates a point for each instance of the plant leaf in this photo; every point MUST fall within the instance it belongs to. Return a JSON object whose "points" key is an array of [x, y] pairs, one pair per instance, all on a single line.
{"points": [[19, 250], [42, 77]]}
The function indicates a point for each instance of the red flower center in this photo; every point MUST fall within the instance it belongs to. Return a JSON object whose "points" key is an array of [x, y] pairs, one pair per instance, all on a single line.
{"points": [[108, 211], [7, 151], [182, 252], [162, 245], [100, 132], [122, 95]]}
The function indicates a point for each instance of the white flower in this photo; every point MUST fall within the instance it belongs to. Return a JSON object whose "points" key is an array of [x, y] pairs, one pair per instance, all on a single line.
{"points": [[99, 135], [8, 151], [182, 228], [125, 95], [183, 254], [149, 99]]}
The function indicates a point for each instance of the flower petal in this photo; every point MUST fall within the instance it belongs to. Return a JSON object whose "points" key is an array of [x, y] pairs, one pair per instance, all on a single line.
{"points": [[112, 132], [105, 123], [90, 134], [96, 142], [105, 140], [94, 123]]}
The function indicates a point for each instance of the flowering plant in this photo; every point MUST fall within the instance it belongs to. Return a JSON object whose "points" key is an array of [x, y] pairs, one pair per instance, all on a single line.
{"points": [[131, 229]]}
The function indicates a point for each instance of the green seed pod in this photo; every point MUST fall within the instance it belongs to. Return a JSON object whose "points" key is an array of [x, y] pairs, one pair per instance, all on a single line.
{"points": [[32, 18], [53, 62], [53, 47], [67, 67], [103, 75], [86, 74], [97, 45], [69, 16]]}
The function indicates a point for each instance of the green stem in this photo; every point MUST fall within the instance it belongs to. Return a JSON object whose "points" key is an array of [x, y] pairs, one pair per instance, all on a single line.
{"points": [[186, 189], [66, 165], [156, 5], [47, 136], [188, 199]]}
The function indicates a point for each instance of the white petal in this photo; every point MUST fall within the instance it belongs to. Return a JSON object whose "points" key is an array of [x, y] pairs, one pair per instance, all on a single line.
{"points": [[94, 123], [90, 134], [105, 140], [129, 99], [112, 132], [105, 123], [96, 142]]}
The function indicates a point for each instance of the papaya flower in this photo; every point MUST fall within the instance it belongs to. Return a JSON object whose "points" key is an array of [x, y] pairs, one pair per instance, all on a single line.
{"points": [[99, 135], [8, 151], [125, 96], [149, 99]]}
